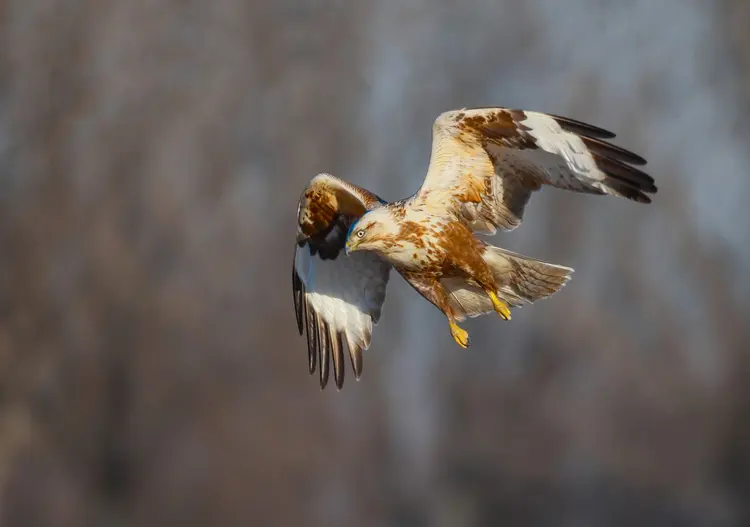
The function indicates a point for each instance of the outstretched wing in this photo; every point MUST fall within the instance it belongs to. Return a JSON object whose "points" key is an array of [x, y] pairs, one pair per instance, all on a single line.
{"points": [[486, 163], [337, 298]]}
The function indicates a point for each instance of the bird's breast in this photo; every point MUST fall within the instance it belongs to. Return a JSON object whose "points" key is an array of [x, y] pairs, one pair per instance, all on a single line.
{"points": [[415, 248], [411, 257]]}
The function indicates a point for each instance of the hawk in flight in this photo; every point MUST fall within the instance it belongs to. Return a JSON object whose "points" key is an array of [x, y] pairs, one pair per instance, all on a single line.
{"points": [[484, 166]]}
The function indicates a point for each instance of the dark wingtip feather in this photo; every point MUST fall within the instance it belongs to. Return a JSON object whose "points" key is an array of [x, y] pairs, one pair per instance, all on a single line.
{"points": [[312, 339], [627, 191], [581, 128], [299, 292], [640, 197], [355, 354], [312, 352], [606, 149], [337, 350], [324, 350], [626, 174], [311, 359]]}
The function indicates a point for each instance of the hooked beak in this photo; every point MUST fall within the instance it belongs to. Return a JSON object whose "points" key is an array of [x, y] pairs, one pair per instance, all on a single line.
{"points": [[351, 245]]}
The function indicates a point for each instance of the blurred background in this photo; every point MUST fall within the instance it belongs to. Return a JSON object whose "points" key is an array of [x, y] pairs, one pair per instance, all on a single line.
{"points": [[151, 158]]}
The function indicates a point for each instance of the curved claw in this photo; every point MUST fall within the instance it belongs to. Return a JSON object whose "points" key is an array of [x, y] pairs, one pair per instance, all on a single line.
{"points": [[461, 336]]}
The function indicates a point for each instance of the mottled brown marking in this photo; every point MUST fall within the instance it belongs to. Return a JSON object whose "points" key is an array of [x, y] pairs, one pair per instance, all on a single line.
{"points": [[463, 254], [413, 232], [501, 127], [409, 228], [324, 201], [387, 241], [318, 211], [398, 212]]}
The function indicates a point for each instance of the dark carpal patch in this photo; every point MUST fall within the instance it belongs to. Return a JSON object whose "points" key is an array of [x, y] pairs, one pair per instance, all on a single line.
{"points": [[317, 212], [503, 127], [328, 243]]}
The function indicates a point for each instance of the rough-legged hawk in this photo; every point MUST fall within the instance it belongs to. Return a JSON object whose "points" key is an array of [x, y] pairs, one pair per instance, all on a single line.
{"points": [[485, 164]]}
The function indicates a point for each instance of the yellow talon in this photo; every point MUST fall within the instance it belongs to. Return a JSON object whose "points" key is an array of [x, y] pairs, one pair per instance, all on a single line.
{"points": [[500, 306], [459, 335]]}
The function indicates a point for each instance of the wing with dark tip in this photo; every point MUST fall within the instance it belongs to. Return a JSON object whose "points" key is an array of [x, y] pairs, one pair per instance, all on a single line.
{"points": [[487, 162], [338, 301], [337, 298]]}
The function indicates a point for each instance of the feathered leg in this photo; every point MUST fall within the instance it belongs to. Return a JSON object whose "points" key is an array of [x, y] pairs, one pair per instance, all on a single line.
{"points": [[466, 256], [431, 289], [478, 270]]}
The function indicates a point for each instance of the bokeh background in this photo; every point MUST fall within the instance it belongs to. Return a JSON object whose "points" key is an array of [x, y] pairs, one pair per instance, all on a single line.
{"points": [[151, 157]]}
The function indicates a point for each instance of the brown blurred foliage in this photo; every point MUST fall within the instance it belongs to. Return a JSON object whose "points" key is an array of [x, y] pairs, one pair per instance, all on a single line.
{"points": [[151, 156]]}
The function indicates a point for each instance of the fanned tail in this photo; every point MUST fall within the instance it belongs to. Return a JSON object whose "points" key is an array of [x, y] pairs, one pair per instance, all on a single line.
{"points": [[521, 280]]}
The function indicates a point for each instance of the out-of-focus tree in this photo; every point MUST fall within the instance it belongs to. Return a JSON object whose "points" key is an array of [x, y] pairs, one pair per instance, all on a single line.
{"points": [[151, 156]]}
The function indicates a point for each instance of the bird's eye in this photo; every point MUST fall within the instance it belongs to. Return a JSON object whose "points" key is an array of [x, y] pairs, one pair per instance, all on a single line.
{"points": [[360, 234]]}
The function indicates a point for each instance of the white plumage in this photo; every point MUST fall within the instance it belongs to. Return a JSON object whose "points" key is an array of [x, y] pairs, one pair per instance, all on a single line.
{"points": [[347, 293]]}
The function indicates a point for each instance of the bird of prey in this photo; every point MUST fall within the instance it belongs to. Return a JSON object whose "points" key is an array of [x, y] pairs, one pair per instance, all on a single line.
{"points": [[484, 166]]}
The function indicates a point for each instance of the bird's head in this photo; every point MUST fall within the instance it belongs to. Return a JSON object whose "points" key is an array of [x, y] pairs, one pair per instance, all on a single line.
{"points": [[371, 232]]}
